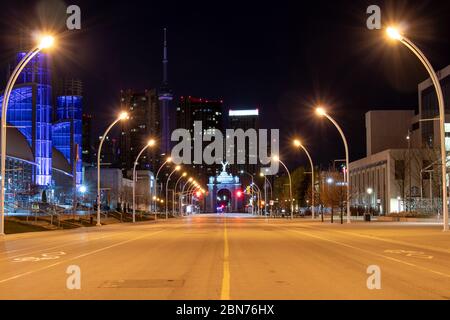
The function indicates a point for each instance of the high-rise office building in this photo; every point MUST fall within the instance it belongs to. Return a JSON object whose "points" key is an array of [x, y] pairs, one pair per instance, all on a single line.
{"points": [[210, 113], [144, 124], [165, 97], [245, 119]]}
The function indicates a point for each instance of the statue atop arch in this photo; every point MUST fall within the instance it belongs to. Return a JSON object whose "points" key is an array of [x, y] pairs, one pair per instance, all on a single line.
{"points": [[224, 166]]}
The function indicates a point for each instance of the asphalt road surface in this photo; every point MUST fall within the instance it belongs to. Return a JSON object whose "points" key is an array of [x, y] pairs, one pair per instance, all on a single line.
{"points": [[213, 257]]}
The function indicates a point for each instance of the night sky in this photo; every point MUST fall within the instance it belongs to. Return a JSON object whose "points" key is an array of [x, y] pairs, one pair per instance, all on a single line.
{"points": [[282, 57]]}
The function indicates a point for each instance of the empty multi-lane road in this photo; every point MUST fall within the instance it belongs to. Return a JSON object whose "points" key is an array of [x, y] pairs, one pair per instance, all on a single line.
{"points": [[213, 257]]}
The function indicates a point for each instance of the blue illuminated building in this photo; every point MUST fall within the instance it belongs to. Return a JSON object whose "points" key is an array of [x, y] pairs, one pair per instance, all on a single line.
{"points": [[41, 139], [67, 128], [30, 111]]}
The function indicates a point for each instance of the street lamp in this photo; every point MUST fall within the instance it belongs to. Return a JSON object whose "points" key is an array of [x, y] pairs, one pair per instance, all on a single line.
{"points": [[395, 34], [83, 189], [299, 144], [266, 182], [175, 190], [322, 113], [258, 197], [190, 180], [277, 159], [177, 168], [123, 116], [253, 195], [168, 160], [45, 42], [150, 143]]}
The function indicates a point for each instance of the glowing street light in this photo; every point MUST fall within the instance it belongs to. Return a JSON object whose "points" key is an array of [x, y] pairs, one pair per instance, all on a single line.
{"points": [[252, 193], [123, 116], [299, 144], [322, 113], [175, 190], [266, 182], [168, 160], [149, 144], [277, 159], [395, 34], [45, 42], [83, 189], [177, 168]]}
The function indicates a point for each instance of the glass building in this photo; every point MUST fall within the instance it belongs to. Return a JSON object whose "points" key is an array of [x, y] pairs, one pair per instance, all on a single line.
{"points": [[67, 130], [30, 111]]}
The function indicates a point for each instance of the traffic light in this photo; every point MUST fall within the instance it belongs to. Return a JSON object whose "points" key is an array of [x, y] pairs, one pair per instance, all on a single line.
{"points": [[239, 194]]}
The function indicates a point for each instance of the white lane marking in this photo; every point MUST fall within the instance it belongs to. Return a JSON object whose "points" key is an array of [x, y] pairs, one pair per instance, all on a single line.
{"points": [[391, 241], [36, 249], [409, 253], [371, 253], [78, 257], [42, 257]]}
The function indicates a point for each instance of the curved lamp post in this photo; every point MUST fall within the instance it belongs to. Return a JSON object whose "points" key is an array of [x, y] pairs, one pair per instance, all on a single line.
{"points": [[298, 143], [394, 34], [150, 143], [276, 158], [253, 181], [175, 190], [190, 181], [258, 197], [122, 116], [45, 42], [177, 168], [168, 160], [266, 182], [321, 112]]}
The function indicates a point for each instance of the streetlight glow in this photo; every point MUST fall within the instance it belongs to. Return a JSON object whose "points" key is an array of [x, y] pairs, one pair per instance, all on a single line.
{"points": [[123, 116], [393, 33], [320, 111], [46, 42]]}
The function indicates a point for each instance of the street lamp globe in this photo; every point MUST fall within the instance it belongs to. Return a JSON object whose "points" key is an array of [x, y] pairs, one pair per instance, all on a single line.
{"points": [[123, 116], [320, 111], [83, 189], [393, 33], [46, 42]]}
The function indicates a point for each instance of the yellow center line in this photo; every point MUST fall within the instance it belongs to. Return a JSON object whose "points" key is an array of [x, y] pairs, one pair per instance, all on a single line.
{"points": [[225, 293]]}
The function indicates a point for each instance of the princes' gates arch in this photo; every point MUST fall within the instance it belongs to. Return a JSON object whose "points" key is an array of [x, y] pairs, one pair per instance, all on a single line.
{"points": [[222, 195]]}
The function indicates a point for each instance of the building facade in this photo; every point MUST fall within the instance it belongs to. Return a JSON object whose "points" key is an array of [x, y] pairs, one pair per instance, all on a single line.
{"points": [[210, 114], [402, 167], [143, 125], [245, 119], [67, 128]]}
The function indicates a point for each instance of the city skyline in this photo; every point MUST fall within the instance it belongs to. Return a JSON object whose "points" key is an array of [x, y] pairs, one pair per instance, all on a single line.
{"points": [[310, 153], [302, 72]]}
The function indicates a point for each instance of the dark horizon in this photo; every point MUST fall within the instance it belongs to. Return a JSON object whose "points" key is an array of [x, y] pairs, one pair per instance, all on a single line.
{"points": [[282, 60]]}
